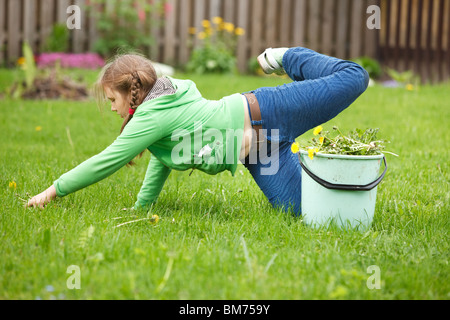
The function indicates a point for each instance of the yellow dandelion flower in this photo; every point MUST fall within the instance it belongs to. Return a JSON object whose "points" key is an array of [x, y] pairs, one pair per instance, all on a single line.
{"points": [[229, 27], [239, 31], [295, 147], [206, 24], [217, 20], [38, 128], [209, 31], [321, 140], [311, 153], [21, 61], [154, 219], [318, 130], [201, 35], [409, 87], [192, 30], [13, 185]]}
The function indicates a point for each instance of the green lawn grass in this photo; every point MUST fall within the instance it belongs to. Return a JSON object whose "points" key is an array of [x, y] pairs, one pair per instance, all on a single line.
{"points": [[218, 237]]}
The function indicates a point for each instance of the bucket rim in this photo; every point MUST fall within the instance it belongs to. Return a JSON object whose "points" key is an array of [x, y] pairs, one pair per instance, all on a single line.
{"points": [[344, 156]]}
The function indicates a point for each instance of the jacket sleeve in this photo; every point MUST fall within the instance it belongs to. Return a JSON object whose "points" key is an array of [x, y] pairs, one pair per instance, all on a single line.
{"points": [[154, 181], [140, 133]]}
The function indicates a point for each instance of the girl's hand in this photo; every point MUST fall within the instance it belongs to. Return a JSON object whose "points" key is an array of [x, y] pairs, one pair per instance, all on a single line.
{"points": [[43, 198]]}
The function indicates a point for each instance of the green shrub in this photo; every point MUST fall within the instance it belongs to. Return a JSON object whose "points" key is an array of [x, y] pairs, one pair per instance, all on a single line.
{"points": [[124, 25], [371, 65], [211, 59], [58, 40], [216, 54]]}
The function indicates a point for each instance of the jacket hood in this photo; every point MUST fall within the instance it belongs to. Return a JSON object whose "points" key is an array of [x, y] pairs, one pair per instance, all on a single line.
{"points": [[186, 93]]}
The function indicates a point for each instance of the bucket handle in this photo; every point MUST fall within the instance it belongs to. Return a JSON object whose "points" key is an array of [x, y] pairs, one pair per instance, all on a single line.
{"points": [[348, 187]]}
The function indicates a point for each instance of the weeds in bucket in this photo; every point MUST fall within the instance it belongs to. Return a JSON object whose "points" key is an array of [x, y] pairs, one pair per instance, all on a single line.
{"points": [[357, 142]]}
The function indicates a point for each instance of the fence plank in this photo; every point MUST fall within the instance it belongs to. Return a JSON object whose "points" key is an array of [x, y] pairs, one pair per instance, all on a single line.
{"points": [[418, 43], [370, 36], [408, 45], [61, 11], [3, 35], [169, 33], [355, 35], [79, 36], [256, 17], [429, 72], [30, 23], [328, 27], [314, 25], [154, 51], [228, 11], [92, 31], [285, 23], [299, 22], [397, 26], [199, 16], [387, 32], [271, 24], [242, 56], [14, 32], [214, 8], [46, 21], [185, 24], [341, 29], [447, 12]]}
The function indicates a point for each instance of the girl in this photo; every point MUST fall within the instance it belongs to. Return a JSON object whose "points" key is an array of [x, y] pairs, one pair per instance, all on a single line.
{"points": [[183, 131]]}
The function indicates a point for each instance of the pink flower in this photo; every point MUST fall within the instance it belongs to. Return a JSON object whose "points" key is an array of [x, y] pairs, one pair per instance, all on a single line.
{"points": [[141, 15], [71, 60], [167, 8]]}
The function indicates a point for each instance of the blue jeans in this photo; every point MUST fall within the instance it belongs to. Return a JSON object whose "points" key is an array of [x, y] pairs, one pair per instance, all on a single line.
{"points": [[322, 87]]}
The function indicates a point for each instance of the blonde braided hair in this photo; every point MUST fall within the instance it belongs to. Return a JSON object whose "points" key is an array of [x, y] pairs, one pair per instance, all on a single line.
{"points": [[135, 90], [132, 75]]}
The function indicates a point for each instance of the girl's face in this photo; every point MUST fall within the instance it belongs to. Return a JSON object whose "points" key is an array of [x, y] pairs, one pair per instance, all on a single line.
{"points": [[119, 104]]}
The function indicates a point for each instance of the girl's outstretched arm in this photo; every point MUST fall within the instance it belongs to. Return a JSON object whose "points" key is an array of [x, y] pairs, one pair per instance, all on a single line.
{"points": [[43, 198]]}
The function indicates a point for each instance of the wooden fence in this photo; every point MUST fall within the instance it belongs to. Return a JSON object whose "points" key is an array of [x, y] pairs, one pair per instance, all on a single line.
{"points": [[413, 34]]}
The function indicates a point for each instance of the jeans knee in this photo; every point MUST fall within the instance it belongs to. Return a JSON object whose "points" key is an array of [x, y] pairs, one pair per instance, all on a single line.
{"points": [[365, 79], [361, 78]]}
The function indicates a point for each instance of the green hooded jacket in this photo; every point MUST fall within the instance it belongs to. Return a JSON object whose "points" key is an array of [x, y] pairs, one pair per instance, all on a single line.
{"points": [[182, 131]]}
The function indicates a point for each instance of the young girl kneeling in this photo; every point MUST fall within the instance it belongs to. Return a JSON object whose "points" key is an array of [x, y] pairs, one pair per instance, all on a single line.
{"points": [[184, 131]]}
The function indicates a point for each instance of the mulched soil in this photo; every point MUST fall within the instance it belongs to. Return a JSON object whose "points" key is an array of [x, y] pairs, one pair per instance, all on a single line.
{"points": [[53, 88]]}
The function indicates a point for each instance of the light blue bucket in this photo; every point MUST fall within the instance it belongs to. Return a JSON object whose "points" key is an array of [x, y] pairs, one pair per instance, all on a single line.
{"points": [[340, 189]]}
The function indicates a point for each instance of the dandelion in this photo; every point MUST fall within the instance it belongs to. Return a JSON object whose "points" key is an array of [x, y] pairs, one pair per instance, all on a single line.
{"points": [[38, 128], [206, 24], [21, 61], [312, 152], [321, 139], [228, 26], [13, 185], [239, 31], [201, 35], [295, 147], [154, 219], [409, 87], [217, 20], [318, 130]]}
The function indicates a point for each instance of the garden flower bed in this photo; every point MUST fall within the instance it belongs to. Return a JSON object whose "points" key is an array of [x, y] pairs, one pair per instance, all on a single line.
{"points": [[70, 60], [43, 79]]}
